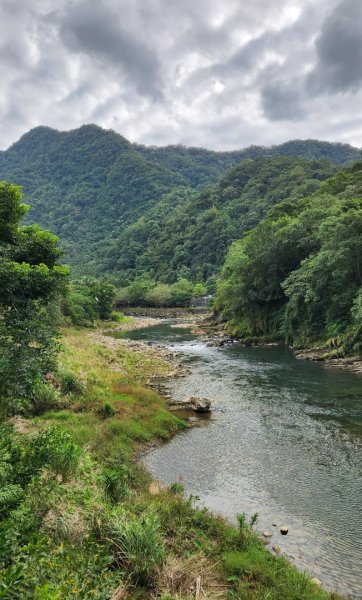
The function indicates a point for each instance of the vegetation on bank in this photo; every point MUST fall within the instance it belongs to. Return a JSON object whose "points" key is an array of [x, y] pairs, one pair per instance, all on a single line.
{"points": [[79, 518], [297, 276]]}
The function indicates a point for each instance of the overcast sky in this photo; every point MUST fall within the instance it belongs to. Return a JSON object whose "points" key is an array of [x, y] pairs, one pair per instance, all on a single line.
{"points": [[220, 74]]}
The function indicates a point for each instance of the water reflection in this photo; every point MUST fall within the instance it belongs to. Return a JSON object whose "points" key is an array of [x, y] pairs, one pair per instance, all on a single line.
{"points": [[286, 444]]}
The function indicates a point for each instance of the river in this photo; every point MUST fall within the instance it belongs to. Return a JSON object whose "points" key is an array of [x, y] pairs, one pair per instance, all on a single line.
{"points": [[284, 440]]}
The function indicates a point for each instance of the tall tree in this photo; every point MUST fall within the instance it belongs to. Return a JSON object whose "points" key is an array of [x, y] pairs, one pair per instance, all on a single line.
{"points": [[30, 279]]}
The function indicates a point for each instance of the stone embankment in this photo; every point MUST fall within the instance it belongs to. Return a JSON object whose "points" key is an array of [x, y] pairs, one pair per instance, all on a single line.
{"points": [[163, 313]]}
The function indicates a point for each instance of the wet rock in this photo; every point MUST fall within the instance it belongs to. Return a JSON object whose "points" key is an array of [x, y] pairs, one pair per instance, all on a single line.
{"points": [[277, 549], [200, 404], [267, 534], [316, 581], [284, 529]]}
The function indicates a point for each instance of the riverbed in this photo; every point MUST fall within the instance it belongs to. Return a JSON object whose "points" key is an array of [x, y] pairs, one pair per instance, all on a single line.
{"points": [[284, 441]]}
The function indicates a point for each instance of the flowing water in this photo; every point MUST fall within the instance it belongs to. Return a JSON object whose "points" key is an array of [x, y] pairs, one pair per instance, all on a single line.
{"points": [[284, 441]]}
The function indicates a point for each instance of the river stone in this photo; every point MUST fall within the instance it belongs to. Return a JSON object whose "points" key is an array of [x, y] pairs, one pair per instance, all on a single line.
{"points": [[199, 404], [316, 581], [277, 549], [284, 530], [267, 534]]}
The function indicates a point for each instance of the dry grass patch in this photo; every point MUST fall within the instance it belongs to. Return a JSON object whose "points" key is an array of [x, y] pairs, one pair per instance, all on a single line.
{"points": [[190, 577]]}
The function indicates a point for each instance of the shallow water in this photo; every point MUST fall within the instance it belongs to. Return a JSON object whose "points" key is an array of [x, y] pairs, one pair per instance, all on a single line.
{"points": [[285, 441]]}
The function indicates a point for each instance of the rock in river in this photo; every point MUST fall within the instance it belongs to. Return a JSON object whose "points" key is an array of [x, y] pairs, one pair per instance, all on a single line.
{"points": [[277, 549], [192, 403], [284, 529], [200, 404], [267, 534]]}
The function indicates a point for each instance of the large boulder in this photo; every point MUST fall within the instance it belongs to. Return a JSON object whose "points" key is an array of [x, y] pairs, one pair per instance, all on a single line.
{"points": [[192, 403]]}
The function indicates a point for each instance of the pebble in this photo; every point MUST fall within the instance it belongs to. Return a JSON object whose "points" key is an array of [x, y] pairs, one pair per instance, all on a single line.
{"points": [[277, 549], [267, 534], [284, 530]]}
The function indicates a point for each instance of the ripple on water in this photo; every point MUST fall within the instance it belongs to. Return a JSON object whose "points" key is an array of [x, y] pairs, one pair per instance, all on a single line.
{"points": [[286, 444]]}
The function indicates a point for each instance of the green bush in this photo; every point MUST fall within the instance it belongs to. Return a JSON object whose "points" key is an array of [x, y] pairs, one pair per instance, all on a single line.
{"points": [[44, 398], [246, 533], [106, 411], [54, 448], [176, 488], [69, 383], [87, 300]]}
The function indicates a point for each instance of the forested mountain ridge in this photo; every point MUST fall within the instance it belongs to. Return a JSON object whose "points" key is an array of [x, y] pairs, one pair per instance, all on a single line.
{"points": [[201, 167], [91, 186], [190, 238]]}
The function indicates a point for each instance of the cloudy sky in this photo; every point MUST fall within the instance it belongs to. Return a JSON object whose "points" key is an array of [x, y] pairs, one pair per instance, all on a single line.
{"points": [[220, 74]]}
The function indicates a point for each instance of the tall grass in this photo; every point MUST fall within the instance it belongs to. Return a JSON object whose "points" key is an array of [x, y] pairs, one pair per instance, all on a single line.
{"points": [[136, 543]]}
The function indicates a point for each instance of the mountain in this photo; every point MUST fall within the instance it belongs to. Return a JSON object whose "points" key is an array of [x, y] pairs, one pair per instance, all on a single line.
{"points": [[92, 186], [189, 237]]}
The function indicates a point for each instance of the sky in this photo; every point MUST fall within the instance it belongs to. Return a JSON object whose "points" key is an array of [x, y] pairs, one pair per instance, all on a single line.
{"points": [[220, 74]]}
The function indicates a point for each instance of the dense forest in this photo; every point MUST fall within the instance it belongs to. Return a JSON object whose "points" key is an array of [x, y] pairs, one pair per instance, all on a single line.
{"points": [[110, 200], [297, 275], [188, 238]]}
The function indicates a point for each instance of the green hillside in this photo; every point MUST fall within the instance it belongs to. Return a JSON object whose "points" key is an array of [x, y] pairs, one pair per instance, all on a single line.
{"points": [[177, 239], [126, 209], [297, 276]]}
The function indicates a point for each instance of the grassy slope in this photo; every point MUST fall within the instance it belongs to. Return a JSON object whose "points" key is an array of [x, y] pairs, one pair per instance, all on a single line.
{"points": [[104, 532]]}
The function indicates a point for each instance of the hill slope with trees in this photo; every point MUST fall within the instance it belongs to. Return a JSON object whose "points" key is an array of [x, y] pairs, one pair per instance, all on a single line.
{"points": [[189, 238], [297, 276], [92, 186]]}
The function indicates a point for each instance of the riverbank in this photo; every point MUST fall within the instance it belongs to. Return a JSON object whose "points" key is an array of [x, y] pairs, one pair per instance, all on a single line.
{"points": [[349, 363], [217, 335], [106, 530]]}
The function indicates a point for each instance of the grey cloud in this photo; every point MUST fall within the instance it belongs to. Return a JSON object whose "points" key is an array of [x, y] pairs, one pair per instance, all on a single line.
{"points": [[97, 30], [205, 73], [282, 102], [339, 51]]}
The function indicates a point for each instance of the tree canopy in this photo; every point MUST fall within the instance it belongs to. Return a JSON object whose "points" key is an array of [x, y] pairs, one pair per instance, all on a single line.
{"points": [[297, 276], [30, 279]]}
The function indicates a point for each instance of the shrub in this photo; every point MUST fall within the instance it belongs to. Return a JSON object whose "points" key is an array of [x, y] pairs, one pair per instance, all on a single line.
{"points": [[10, 496], [246, 533], [54, 448], [69, 383], [44, 398], [176, 488], [106, 410]]}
